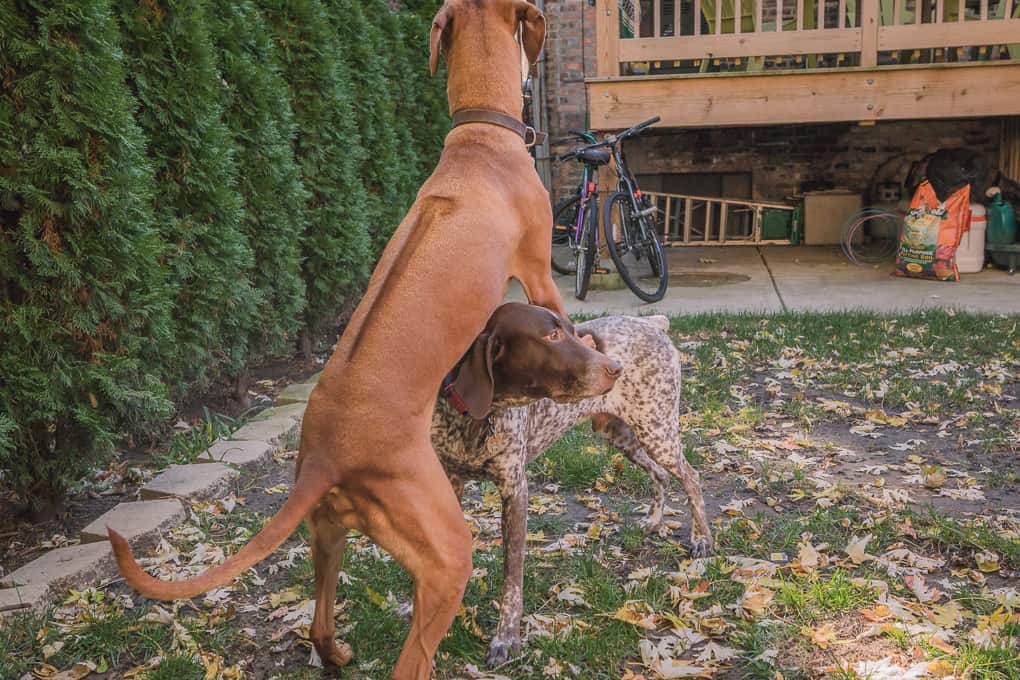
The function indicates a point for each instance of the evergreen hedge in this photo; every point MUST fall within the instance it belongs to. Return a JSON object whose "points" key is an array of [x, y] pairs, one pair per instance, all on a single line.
{"points": [[185, 186], [337, 242], [172, 67], [389, 167], [83, 298], [259, 117]]}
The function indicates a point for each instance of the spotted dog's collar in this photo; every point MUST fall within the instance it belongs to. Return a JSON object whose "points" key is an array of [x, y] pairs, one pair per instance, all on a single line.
{"points": [[450, 393]]}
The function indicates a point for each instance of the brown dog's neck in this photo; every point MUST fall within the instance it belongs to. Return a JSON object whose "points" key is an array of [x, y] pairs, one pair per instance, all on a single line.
{"points": [[484, 72]]}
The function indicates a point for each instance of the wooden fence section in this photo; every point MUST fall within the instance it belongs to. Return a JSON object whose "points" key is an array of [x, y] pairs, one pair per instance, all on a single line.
{"points": [[699, 36]]}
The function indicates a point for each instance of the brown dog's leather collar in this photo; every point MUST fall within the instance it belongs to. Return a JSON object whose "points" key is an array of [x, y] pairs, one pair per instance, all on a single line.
{"points": [[530, 136]]}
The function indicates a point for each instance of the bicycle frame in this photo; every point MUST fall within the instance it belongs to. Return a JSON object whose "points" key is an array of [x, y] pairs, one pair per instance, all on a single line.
{"points": [[627, 183], [589, 187]]}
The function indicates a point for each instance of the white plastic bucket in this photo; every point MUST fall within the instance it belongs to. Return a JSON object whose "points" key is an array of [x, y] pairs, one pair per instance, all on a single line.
{"points": [[970, 256]]}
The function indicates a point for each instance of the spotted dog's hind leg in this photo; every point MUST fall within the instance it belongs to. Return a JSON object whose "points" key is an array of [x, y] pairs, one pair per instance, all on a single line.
{"points": [[662, 445], [619, 434]]}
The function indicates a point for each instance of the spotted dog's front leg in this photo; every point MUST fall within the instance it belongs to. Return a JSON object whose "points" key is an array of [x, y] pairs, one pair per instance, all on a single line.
{"points": [[514, 490]]}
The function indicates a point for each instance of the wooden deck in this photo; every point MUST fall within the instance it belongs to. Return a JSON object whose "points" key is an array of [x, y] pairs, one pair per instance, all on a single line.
{"points": [[694, 64]]}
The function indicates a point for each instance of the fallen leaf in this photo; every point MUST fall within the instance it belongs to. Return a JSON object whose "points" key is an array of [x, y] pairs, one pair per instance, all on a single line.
{"points": [[823, 635], [855, 549]]}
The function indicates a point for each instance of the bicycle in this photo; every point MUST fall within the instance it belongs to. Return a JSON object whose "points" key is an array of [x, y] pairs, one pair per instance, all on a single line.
{"points": [[628, 222], [576, 219], [632, 236]]}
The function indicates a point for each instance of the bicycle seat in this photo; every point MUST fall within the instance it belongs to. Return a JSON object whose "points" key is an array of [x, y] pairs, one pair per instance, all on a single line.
{"points": [[593, 156]]}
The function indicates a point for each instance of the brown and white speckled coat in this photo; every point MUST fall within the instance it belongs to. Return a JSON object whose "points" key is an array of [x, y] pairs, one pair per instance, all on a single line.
{"points": [[639, 416]]}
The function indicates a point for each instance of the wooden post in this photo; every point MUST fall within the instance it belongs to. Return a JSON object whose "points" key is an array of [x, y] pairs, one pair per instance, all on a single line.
{"points": [[688, 216], [1009, 148], [607, 36], [869, 32]]}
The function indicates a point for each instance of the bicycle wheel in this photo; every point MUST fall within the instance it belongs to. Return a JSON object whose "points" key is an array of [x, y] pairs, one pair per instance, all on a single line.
{"points": [[564, 221], [584, 254], [633, 243]]}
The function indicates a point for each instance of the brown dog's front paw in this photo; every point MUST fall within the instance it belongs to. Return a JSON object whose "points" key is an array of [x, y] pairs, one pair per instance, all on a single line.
{"points": [[336, 654], [501, 651]]}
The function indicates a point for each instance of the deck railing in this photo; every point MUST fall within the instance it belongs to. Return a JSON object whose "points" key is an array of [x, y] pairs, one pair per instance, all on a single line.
{"points": [[646, 37]]}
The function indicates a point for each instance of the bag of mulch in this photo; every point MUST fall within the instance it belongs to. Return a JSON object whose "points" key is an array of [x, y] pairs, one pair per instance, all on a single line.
{"points": [[931, 234]]}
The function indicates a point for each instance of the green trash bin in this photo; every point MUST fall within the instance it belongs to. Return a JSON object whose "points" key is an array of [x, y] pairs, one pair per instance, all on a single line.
{"points": [[775, 224]]}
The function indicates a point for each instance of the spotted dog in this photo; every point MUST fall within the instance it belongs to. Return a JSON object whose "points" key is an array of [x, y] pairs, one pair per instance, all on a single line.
{"points": [[495, 437]]}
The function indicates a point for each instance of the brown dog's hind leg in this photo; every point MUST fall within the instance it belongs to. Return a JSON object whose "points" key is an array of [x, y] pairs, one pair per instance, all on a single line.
{"points": [[619, 434], [417, 519], [328, 542]]}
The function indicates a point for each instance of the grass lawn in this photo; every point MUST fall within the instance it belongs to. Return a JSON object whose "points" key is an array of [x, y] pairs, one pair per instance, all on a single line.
{"points": [[860, 471]]}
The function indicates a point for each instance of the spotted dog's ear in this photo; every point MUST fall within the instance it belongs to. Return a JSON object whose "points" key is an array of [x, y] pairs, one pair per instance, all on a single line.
{"points": [[440, 25], [474, 383]]}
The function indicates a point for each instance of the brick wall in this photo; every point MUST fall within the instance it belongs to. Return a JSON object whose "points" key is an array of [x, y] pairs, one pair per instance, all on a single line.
{"points": [[779, 157], [569, 58]]}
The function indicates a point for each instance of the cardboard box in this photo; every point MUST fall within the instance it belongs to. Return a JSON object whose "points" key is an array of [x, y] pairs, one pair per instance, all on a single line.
{"points": [[825, 213]]}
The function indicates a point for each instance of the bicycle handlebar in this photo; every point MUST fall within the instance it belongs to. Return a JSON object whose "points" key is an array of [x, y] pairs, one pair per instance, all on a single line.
{"points": [[609, 140], [639, 127]]}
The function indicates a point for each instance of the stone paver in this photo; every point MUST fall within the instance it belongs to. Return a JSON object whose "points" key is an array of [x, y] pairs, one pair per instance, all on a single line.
{"points": [[132, 520], [240, 453], [295, 410], [78, 563], [273, 430], [200, 480], [296, 392], [19, 598]]}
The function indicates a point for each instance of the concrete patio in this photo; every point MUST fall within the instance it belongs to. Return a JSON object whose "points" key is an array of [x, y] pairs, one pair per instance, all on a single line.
{"points": [[784, 278]]}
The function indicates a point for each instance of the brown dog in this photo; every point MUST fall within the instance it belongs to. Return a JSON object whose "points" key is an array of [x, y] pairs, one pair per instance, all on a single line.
{"points": [[366, 460]]}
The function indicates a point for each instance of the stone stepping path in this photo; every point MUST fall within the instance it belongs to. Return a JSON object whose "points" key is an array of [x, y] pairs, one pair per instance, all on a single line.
{"points": [[161, 505]]}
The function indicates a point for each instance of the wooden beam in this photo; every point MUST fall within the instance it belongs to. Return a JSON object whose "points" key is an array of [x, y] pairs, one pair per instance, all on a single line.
{"points": [[869, 33], [741, 45], [607, 37], [923, 36], [656, 18], [832, 96]]}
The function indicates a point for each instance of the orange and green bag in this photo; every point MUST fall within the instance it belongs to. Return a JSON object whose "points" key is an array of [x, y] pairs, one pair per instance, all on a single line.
{"points": [[931, 234]]}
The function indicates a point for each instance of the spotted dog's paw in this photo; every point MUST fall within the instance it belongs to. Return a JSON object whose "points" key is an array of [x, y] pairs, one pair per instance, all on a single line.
{"points": [[500, 652], [701, 547], [651, 523]]}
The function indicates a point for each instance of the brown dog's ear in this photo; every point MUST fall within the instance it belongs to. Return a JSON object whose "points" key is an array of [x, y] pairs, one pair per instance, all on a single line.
{"points": [[474, 383], [439, 27], [532, 29]]}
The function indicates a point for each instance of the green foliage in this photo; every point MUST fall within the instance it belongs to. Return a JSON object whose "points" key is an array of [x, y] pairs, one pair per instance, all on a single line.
{"points": [[337, 242], [198, 207], [260, 119], [156, 243], [185, 447], [83, 298], [390, 167], [424, 98]]}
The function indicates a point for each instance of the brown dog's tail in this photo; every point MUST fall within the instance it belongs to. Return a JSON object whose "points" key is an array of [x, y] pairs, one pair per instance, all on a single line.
{"points": [[309, 489]]}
